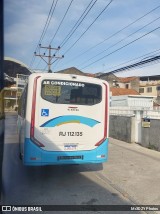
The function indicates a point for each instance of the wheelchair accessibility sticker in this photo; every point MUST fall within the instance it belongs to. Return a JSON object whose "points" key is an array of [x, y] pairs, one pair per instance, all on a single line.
{"points": [[44, 112]]}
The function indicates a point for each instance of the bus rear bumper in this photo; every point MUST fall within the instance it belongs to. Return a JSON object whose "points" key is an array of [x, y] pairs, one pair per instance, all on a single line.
{"points": [[35, 156]]}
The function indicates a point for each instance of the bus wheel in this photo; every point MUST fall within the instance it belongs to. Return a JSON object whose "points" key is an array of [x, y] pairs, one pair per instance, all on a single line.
{"points": [[20, 156]]}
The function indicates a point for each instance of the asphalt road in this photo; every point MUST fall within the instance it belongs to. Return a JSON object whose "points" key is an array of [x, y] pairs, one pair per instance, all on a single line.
{"points": [[113, 183]]}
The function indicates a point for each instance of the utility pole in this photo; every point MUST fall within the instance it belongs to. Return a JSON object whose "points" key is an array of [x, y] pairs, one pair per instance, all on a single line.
{"points": [[49, 56]]}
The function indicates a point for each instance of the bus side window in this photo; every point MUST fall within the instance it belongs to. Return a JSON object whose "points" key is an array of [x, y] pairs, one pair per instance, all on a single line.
{"points": [[19, 106], [22, 104]]}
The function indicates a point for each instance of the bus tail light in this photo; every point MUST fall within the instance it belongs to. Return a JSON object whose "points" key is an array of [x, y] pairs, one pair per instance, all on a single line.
{"points": [[33, 158], [35, 141]]}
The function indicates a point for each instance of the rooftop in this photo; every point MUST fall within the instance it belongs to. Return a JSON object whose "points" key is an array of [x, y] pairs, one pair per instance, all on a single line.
{"points": [[71, 70], [123, 91], [126, 79]]}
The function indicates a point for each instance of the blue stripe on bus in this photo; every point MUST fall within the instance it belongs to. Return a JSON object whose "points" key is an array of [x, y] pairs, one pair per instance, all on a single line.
{"points": [[37, 157], [70, 119]]}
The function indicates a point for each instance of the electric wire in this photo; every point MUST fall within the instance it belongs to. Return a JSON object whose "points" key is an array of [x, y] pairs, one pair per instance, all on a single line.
{"points": [[88, 27], [50, 15], [63, 43], [129, 67], [157, 50], [47, 25], [111, 36], [62, 21], [58, 28], [77, 24], [33, 58], [105, 56], [111, 46]]}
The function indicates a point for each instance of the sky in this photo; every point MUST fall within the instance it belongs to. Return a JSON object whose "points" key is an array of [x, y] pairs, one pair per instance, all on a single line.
{"points": [[102, 46]]}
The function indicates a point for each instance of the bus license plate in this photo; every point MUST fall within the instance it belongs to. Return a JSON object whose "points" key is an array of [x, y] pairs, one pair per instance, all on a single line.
{"points": [[70, 147]]}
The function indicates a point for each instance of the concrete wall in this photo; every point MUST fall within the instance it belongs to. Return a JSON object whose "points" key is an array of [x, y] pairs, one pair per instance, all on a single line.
{"points": [[122, 128], [134, 84], [150, 137]]}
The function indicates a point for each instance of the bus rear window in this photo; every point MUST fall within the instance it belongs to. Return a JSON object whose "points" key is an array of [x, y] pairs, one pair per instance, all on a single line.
{"points": [[69, 92]]}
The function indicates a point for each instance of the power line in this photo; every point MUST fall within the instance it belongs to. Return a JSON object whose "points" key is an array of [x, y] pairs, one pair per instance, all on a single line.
{"points": [[33, 58], [89, 27], [121, 47], [111, 36], [133, 59], [38, 63], [77, 24], [50, 57], [48, 21], [156, 58], [62, 21], [121, 40], [61, 24], [58, 27], [50, 15]]}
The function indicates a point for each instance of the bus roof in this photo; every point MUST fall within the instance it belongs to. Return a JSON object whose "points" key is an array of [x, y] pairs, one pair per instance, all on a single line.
{"points": [[67, 76]]}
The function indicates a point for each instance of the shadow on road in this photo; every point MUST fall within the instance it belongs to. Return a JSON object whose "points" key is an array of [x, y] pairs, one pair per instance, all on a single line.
{"points": [[53, 185]]}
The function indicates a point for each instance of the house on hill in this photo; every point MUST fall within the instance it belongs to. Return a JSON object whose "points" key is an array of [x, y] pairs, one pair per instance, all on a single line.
{"points": [[150, 86], [72, 70], [121, 82], [129, 83], [112, 79]]}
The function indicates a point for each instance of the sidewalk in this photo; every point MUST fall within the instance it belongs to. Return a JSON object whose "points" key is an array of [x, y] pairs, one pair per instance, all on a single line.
{"points": [[134, 171]]}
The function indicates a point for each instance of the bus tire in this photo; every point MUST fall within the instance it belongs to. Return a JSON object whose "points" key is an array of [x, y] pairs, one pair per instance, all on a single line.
{"points": [[20, 156]]}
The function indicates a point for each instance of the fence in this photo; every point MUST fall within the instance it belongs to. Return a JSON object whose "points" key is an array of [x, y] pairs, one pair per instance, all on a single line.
{"points": [[126, 124], [152, 114], [128, 111]]}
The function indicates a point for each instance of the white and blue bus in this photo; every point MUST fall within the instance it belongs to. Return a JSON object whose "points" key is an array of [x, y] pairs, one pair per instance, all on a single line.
{"points": [[63, 119]]}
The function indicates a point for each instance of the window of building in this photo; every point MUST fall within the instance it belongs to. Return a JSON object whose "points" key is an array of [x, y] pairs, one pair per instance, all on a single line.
{"points": [[127, 86], [158, 88], [141, 90], [149, 89]]}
